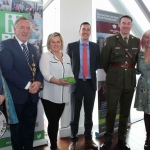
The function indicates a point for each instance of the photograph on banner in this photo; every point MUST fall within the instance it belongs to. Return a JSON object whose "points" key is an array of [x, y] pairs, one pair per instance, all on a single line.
{"points": [[5, 5], [36, 20], [35, 16], [106, 25], [34, 9]]}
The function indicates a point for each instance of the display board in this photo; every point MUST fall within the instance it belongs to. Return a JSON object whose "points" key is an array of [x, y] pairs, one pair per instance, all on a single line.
{"points": [[106, 25]]}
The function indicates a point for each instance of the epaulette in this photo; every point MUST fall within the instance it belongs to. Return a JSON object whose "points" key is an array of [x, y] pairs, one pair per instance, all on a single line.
{"points": [[133, 37], [117, 36]]}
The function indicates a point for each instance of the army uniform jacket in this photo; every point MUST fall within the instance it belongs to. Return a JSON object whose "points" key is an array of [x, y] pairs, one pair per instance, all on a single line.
{"points": [[113, 51]]}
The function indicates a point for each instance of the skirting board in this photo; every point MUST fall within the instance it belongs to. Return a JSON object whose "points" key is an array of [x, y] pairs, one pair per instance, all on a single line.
{"points": [[65, 132], [35, 144]]}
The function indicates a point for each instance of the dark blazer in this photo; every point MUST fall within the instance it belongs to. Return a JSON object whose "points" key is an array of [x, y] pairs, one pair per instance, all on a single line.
{"points": [[16, 71], [1, 87], [73, 52], [114, 52]]}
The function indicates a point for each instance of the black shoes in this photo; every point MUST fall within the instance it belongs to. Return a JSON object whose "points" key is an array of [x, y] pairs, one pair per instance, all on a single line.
{"points": [[106, 145], [122, 145]]}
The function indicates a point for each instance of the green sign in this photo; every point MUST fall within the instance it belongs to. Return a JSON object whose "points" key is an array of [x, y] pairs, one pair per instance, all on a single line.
{"points": [[7, 23], [7, 141]]}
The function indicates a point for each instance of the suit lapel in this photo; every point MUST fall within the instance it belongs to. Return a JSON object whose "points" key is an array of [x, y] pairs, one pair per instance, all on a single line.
{"points": [[30, 52], [130, 41], [120, 40], [18, 48], [77, 50], [91, 55]]}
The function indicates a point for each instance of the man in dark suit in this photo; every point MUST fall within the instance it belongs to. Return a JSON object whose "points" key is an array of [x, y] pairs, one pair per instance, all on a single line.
{"points": [[20, 68], [85, 60], [118, 58]]}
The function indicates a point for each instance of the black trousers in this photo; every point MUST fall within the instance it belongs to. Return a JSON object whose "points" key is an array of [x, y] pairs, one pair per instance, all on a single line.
{"points": [[147, 125], [53, 113], [22, 133], [124, 96], [85, 94]]}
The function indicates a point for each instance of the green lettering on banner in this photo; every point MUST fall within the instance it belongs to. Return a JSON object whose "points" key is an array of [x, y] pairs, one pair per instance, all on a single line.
{"points": [[7, 23]]}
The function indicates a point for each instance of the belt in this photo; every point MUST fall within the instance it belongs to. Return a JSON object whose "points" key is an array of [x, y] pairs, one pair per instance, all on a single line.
{"points": [[85, 79], [122, 65]]}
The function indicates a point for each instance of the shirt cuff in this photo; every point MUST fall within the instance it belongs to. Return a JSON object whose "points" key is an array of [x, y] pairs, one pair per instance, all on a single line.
{"points": [[27, 86]]}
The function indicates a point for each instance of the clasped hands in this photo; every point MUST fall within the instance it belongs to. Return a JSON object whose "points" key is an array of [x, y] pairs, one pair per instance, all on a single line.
{"points": [[34, 87]]}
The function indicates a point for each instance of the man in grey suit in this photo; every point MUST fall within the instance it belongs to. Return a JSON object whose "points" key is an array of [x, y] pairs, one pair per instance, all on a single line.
{"points": [[84, 70]]}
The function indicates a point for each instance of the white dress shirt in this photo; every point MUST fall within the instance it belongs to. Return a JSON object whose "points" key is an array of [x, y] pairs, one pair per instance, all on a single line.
{"points": [[51, 66]]}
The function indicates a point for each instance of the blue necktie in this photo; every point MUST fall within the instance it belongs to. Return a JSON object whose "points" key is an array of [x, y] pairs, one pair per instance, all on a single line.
{"points": [[25, 51]]}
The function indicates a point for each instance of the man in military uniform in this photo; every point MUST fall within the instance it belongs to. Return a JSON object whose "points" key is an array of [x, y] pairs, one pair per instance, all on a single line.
{"points": [[118, 59]]}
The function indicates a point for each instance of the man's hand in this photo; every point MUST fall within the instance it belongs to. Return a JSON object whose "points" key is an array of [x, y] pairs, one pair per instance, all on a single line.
{"points": [[1, 99], [34, 87]]}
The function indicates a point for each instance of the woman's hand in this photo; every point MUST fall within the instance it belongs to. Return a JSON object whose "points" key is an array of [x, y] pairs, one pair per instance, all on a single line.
{"points": [[64, 82], [1, 99]]}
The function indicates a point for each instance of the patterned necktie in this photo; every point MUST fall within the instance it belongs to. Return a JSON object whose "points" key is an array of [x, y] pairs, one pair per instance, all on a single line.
{"points": [[125, 40], [85, 62], [25, 51]]}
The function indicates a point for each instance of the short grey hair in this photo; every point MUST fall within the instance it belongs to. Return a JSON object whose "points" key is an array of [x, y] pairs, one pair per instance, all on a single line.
{"points": [[21, 18]]}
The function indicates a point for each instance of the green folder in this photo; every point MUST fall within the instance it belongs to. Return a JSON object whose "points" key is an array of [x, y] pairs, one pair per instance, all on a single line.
{"points": [[70, 79]]}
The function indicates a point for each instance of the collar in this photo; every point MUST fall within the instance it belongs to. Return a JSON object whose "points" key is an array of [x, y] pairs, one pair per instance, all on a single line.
{"points": [[81, 42], [124, 36], [20, 42]]}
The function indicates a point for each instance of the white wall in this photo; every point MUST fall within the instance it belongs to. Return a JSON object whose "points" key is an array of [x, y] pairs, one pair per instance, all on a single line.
{"points": [[51, 21], [72, 14]]}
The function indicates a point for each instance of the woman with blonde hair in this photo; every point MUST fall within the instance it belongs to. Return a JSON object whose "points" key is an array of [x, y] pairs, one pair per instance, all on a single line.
{"points": [[142, 99], [55, 67]]}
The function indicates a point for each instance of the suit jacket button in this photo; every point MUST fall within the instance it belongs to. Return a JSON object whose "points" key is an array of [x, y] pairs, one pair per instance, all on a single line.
{"points": [[125, 69]]}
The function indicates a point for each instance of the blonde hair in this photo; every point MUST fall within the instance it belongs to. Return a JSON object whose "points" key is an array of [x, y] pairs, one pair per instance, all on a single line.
{"points": [[143, 36], [51, 36]]}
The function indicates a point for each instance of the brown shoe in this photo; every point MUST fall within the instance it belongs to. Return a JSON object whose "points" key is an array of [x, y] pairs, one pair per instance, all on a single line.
{"points": [[72, 146], [90, 144]]}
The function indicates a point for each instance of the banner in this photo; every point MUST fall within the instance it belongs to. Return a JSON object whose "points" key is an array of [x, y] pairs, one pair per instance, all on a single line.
{"points": [[34, 12], [106, 25]]}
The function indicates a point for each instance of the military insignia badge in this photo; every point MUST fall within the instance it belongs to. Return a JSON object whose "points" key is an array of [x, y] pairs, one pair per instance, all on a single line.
{"points": [[134, 48], [117, 47]]}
